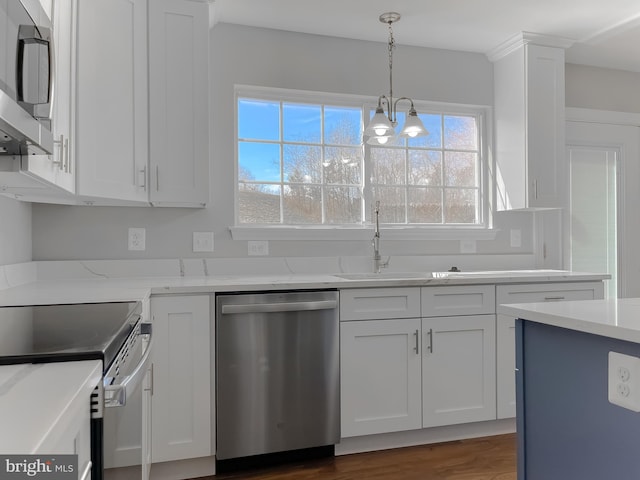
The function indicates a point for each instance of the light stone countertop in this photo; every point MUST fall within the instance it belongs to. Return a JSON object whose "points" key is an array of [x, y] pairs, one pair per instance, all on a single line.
{"points": [[614, 318], [39, 403], [89, 290]]}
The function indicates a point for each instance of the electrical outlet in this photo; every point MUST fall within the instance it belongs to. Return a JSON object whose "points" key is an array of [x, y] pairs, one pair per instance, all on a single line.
{"points": [[516, 238], [203, 241], [258, 247], [624, 381], [137, 239]]}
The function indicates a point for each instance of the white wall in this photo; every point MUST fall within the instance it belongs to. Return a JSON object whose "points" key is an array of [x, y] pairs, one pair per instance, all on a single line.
{"points": [[15, 231], [602, 88], [244, 55]]}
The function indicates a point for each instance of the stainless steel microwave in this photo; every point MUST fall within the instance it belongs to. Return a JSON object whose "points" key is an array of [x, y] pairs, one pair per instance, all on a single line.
{"points": [[26, 78]]}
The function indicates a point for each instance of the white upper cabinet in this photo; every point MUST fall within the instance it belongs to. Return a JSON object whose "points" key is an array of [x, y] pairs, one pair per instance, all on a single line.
{"points": [[63, 122], [178, 106], [112, 128], [529, 117], [131, 111]]}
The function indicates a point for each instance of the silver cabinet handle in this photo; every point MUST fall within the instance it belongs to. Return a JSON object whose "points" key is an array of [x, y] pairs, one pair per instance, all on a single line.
{"points": [[417, 347], [142, 174], [60, 161], [553, 299], [430, 347], [279, 307], [66, 156]]}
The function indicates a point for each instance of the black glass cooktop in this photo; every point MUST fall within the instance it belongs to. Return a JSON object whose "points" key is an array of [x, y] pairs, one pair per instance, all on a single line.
{"points": [[51, 333]]}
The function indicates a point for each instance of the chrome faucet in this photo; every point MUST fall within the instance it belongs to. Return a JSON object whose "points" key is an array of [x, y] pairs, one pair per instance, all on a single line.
{"points": [[377, 259]]}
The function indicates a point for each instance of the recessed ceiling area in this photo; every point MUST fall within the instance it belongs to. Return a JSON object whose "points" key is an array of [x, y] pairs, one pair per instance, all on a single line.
{"points": [[606, 32]]}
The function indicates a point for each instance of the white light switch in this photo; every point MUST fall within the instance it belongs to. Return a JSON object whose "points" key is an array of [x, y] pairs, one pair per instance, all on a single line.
{"points": [[203, 241], [258, 247]]}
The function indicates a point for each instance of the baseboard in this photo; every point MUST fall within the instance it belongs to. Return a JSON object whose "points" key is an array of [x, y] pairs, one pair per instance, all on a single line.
{"points": [[424, 436], [183, 469]]}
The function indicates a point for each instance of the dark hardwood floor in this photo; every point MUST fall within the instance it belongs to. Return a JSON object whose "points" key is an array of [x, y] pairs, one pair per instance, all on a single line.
{"points": [[488, 458]]}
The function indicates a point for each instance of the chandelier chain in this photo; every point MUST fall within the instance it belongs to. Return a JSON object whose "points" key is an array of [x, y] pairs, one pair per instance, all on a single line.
{"points": [[392, 45]]}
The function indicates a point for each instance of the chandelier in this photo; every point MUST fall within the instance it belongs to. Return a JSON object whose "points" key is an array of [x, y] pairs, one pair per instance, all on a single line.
{"points": [[381, 128]]}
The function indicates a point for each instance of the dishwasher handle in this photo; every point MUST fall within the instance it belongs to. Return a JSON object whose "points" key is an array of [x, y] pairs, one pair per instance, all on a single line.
{"points": [[280, 307]]}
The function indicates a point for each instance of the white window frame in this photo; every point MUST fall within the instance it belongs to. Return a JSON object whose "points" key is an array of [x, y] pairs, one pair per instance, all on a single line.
{"points": [[364, 232]]}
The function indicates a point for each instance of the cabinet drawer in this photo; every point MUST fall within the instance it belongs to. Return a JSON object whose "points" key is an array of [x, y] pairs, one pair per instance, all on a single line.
{"points": [[379, 303], [549, 292], [463, 300]]}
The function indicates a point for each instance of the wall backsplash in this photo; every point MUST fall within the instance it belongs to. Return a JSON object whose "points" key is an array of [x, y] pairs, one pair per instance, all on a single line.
{"points": [[316, 63], [15, 231]]}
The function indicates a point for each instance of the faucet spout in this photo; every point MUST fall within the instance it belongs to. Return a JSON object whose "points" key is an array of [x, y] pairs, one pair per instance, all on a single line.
{"points": [[377, 259]]}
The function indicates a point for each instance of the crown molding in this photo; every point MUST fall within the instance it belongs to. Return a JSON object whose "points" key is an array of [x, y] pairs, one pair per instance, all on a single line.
{"points": [[525, 38]]}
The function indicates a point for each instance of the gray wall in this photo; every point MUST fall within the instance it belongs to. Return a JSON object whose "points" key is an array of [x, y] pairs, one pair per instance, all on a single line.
{"points": [[244, 55], [602, 88], [15, 231]]}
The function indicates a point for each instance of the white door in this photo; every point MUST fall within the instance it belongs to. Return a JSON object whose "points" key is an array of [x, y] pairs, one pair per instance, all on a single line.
{"points": [[458, 370], [602, 228], [380, 376]]}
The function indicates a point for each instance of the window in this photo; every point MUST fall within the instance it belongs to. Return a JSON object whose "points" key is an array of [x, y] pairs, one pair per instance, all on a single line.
{"points": [[301, 161]]}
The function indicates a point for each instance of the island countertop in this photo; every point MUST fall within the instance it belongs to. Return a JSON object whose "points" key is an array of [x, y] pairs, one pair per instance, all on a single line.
{"points": [[613, 318]]}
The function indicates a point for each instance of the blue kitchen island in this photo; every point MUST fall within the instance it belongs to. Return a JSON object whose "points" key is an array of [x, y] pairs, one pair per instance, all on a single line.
{"points": [[578, 389]]}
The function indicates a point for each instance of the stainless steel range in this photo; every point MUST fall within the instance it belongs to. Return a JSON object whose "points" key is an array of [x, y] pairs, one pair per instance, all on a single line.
{"points": [[112, 332]]}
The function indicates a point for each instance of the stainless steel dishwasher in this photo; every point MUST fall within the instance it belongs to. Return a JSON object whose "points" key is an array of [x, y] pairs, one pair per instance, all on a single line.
{"points": [[277, 372]]}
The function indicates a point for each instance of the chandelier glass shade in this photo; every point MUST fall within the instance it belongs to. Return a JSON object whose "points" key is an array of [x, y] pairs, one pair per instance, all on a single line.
{"points": [[381, 128]]}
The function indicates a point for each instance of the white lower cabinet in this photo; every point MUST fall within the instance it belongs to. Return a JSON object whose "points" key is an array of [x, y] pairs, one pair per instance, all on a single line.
{"points": [[505, 329], [380, 376], [181, 401], [409, 373], [458, 370]]}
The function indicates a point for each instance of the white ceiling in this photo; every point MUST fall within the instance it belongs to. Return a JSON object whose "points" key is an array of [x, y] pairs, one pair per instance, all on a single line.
{"points": [[606, 32]]}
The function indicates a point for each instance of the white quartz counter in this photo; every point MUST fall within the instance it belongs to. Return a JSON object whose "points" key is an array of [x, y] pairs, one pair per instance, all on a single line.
{"points": [[40, 402], [86, 290], [614, 318]]}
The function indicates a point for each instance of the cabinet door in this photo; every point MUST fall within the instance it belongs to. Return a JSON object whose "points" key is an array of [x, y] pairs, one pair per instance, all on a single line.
{"points": [[379, 303], [181, 401], [549, 292], [380, 376], [64, 31], [545, 125], [505, 366], [112, 127], [458, 300], [179, 102], [529, 115], [458, 370]]}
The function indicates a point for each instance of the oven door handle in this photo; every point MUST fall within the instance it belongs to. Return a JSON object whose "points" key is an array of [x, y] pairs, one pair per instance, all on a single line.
{"points": [[116, 395]]}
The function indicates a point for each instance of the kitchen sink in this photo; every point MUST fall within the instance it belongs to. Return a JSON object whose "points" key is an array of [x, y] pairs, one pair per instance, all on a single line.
{"points": [[384, 275]]}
